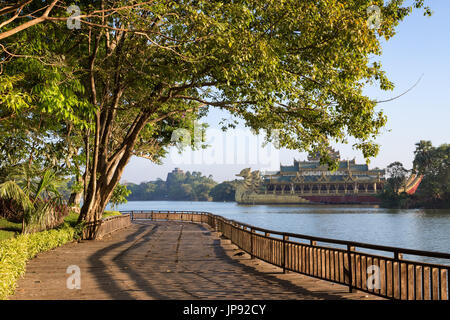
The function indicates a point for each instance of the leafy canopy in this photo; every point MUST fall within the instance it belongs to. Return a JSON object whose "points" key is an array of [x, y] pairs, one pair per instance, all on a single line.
{"points": [[298, 67]]}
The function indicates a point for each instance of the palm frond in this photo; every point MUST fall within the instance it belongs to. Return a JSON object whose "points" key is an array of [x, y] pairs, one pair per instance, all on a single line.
{"points": [[47, 186], [11, 190], [44, 182], [39, 218]]}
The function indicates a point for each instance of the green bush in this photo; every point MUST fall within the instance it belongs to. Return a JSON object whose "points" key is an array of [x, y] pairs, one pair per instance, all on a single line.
{"points": [[14, 253], [107, 214]]}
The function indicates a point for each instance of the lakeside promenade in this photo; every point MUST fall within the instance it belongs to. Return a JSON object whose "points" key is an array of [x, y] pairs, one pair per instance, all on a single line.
{"points": [[168, 260]]}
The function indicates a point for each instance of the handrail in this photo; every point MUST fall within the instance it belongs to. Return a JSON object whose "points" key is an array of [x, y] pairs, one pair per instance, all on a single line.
{"points": [[432, 254], [340, 265]]}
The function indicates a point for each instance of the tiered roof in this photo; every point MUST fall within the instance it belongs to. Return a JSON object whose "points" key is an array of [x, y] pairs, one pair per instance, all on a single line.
{"points": [[313, 171]]}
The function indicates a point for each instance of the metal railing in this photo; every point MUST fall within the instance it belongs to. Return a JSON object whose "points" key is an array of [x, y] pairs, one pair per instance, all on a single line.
{"points": [[390, 277]]}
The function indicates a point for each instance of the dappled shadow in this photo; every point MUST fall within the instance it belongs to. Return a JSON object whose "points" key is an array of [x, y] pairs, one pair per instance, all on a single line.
{"points": [[164, 261], [271, 279], [107, 282]]}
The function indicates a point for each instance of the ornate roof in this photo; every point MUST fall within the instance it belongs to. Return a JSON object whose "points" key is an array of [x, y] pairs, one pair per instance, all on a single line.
{"points": [[313, 171]]}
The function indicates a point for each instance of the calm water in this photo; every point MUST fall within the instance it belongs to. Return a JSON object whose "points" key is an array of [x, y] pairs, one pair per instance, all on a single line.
{"points": [[415, 229]]}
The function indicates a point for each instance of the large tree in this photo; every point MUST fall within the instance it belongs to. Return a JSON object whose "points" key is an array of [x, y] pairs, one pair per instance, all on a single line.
{"points": [[434, 164], [397, 176], [298, 67]]}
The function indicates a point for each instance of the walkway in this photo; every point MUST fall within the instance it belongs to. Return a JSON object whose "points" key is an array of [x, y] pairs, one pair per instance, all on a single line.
{"points": [[167, 260]]}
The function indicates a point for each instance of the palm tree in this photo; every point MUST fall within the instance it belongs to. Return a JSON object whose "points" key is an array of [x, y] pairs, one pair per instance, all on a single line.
{"points": [[36, 194]]}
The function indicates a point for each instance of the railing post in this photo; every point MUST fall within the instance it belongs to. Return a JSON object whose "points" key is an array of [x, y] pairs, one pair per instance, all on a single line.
{"points": [[252, 232], [350, 268], [311, 267], [398, 257], [285, 238]]}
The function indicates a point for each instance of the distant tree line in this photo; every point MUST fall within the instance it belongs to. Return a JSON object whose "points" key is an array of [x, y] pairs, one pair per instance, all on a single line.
{"points": [[431, 162], [434, 190], [182, 186]]}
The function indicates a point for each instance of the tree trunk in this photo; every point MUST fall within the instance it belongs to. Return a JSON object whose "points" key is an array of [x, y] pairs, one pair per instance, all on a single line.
{"points": [[97, 200], [107, 164], [108, 171], [75, 197]]}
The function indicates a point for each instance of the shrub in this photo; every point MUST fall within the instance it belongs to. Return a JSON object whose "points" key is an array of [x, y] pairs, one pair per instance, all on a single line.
{"points": [[14, 253], [107, 214]]}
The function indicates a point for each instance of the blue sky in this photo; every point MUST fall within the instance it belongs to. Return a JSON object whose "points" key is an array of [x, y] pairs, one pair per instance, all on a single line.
{"points": [[421, 47]]}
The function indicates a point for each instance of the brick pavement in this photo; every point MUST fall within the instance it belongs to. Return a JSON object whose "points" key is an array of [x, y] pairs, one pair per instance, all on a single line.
{"points": [[167, 260]]}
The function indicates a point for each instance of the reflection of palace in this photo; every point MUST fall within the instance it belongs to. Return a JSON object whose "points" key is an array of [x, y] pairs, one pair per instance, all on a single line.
{"points": [[310, 182]]}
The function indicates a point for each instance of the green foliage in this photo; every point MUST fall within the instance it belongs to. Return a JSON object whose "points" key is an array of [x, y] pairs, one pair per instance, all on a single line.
{"points": [[119, 195], [11, 190], [38, 198], [72, 218], [5, 234], [392, 199], [14, 254], [179, 186], [107, 214], [42, 103], [11, 98], [397, 176], [36, 77], [434, 164], [224, 191], [294, 70], [434, 190]]}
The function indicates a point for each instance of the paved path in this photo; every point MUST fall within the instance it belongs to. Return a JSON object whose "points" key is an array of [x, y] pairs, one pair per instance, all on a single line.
{"points": [[167, 260]]}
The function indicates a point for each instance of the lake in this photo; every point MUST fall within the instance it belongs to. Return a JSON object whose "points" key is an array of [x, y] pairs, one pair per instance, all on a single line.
{"points": [[420, 229]]}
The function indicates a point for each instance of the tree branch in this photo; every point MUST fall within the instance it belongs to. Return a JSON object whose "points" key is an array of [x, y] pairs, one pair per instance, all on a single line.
{"points": [[30, 23]]}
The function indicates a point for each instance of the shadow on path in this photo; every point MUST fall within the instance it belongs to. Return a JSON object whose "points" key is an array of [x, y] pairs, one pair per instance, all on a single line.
{"points": [[270, 277], [152, 249], [107, 281]]}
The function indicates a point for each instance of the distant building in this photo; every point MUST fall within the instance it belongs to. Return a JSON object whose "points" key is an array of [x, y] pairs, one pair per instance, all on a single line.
{"points": [[311, 182], [350, 183], [171, 175]]}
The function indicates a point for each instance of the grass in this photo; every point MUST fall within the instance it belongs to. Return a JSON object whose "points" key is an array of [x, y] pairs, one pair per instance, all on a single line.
{"points": [[9, 229], [71, 218]]}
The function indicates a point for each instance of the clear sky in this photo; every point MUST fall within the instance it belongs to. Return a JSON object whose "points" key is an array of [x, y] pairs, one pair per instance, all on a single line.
{"points": [[421, 47]]}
